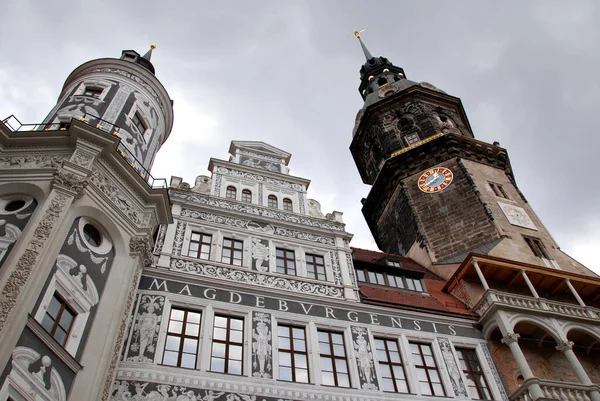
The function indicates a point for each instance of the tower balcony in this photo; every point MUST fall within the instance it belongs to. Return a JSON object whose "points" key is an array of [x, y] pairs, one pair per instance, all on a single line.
{"points": [[15, 125]]}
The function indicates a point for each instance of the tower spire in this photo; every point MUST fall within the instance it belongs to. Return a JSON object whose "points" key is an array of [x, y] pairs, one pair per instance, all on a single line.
{"points": [[148, 54], [368, 55]]}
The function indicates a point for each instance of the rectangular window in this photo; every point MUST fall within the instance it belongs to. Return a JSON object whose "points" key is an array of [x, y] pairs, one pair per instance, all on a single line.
{"points": [[183, 336], [537, 247], [285, 261], [138, 121], [315, 267], [427, 370], [227, 355], [393, 376], [414, 284], [476, 383], [200, 245], [232, 251], [498, 190], [58, 319], [293, 358], [92, 91], [394, 263], [360, 275], [334, 365]]}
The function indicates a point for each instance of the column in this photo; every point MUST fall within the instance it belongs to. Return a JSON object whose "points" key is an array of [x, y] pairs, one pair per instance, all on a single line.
{"points": [[566, 347], [529, 284], [511, 339], [480, 275], [575, 294]]}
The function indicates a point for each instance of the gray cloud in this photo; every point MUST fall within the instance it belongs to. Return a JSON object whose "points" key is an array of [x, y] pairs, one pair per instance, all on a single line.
{"points": [[287, 73]]}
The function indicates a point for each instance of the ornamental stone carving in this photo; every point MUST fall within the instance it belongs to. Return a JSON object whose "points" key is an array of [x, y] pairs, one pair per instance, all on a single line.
{"points": [[121, 335], [82, 158], [490, 361], [19, 276], [69, 182], [364, 358], [116, 195], [160, 239], [565, 346], [510, 338], [31, 161], [257, 278], [255, 226], [259, 178], [453, 371], [141, 246]]}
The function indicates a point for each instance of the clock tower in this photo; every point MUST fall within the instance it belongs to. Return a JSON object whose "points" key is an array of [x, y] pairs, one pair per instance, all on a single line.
{"points": [[437, 193]]}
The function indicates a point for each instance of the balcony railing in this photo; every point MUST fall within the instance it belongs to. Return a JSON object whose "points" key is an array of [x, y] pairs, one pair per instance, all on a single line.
{"points": [[13, 123], [553, 390], [491, 297]]}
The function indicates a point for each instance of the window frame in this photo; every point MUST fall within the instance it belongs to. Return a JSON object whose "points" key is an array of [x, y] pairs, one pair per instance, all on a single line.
{"points": [[229, 191], [332, 357], [271, 197], [459, 352], [287, 205], [245, 193], [371, 276], [200, 243], [233, 249], [285, 261], [64, 305], [183, 336], [315, 274], [227, 343], [292, 352], [391, 364], [498, 190], [417, 365]]}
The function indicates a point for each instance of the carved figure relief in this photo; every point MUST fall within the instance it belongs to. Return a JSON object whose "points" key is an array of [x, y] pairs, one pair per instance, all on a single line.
{"points": [[116, 195], [452, 366], [179, 237], [34, 374], [364, 358], [314, 209], [260, 254], [202, 185], [145, 333], [261, 345], [124, 390], [31, 161]]}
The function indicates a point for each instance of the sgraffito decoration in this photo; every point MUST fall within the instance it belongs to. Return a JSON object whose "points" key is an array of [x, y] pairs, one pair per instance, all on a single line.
{"points": [[453, 371], [261, 345], [145, 330], [364, 358]]}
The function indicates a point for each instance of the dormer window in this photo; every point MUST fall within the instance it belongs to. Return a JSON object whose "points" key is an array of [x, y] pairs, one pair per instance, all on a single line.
{"points": [[231, 192], [394, 263], [389, 279], [287, 205]]}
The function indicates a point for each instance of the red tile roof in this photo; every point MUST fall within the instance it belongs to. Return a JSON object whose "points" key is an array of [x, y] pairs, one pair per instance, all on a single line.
{"points": [[436, 300]]}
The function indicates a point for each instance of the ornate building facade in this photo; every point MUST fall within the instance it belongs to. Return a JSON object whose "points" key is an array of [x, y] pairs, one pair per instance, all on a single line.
{"points": [[115, 286]]}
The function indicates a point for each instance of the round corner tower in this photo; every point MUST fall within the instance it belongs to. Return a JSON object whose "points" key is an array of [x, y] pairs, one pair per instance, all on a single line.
{"points": [[122, 96]]}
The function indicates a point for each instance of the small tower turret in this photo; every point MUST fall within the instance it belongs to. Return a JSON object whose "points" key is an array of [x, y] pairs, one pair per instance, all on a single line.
{"points": [[121, 96]]}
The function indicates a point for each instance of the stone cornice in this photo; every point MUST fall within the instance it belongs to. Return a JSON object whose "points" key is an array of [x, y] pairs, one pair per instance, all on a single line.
{"points": [[216, 163]]}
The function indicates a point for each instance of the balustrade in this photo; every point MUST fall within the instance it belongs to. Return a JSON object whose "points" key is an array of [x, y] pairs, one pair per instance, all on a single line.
{"points": [[557, 391]]}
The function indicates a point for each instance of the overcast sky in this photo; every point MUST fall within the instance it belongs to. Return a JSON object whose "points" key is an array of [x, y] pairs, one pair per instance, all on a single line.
{"points": [[286, 73]]}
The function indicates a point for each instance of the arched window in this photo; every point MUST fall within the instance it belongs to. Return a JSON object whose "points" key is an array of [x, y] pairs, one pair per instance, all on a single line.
{"points": [[231, 192], [273, 201], [246, 195], [287, 204]]}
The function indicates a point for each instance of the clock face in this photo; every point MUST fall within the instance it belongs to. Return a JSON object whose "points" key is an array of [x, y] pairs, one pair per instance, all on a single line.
{"points": [[435, 179]]}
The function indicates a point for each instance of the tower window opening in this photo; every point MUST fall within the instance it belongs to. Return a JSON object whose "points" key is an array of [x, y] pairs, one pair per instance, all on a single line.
{"points": [[411, 139], [93, 91], [382, 81], [537, 247], [498, 190], [139, 123]]}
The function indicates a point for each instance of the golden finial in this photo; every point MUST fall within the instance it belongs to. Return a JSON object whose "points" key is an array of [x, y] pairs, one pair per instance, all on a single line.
{"points": [[357, 33], [153, 46]]}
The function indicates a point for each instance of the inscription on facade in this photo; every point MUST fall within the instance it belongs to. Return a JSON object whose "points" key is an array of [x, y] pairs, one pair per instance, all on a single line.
{"points": [[306, 308]]}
